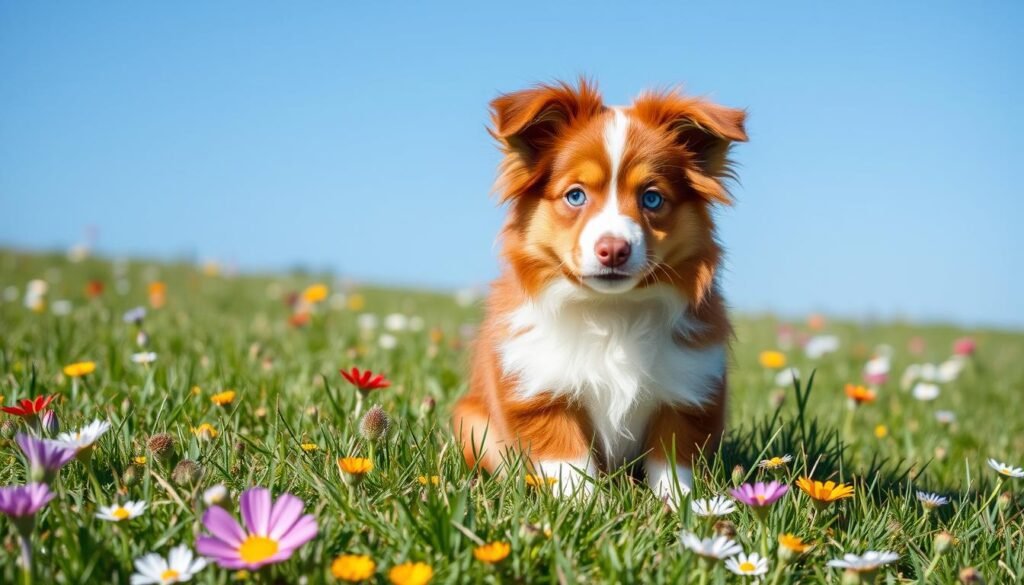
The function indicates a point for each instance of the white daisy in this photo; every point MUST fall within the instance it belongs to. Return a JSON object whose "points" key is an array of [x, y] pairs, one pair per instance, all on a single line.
{"points": [[717, 548], [216, 495], [85, 437], [931, 501], [387, 341], [926, 391], [1004, 469], [366, 322], [178, 567], [786, 377], [117, 513], [396, 322], [950, 369], [144, 357], [865, 563], [945, 417], [716, 506], [821, 345], [752, 565]]}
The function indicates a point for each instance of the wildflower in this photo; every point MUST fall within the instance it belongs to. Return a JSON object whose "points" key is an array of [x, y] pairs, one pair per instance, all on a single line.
{"points": [[144, 357], [931, 501], [387, 341], [365, 380], [860, 394], [223, 398], [139, 460], [353, 568], [716, 506], [161, 445], [30, 408], [20, 504], [540, 480], [945, 417], [434, 480], [965, 346], [881, 431], [134, 316], [157, 294], [307, 447], [396, 322], [51, 426], [971, 576], [791, 546], [353, 469], [492, 552], [876, 370], [205, 431], [775, 463], [79, 369], [375, 424], [186, 473], [824, 494], [943, 541], [717, 548], [760, 495], [926, 391], [1004, 469], [315, 293], [179, 566], [867, 563], [411, 574], [83, 440], [45, 457], [752, 565], [772, 360], [272, 533], [786, 377], [118, 513], [216, 495]]}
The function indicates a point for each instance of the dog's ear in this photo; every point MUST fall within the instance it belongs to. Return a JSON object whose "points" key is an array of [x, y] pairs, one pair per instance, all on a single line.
{"points": [[526, 123], [706, 130]]}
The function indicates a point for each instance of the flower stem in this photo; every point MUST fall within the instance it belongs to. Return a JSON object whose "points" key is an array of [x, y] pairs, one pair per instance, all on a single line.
{"points": [[26, 559]]}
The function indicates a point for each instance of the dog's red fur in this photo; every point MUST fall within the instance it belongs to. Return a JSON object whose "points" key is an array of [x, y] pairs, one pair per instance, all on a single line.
{"points": [[551, 138]]}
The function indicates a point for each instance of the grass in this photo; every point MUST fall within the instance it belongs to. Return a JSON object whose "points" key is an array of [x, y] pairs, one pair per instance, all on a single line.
{"points": [[217, 332]]}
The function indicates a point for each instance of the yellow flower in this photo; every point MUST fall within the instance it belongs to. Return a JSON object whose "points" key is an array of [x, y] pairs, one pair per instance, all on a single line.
{"points": [[196, 391], [307, 447], [772, 360], [775, 462], [492, 552], [881, 431], [356, 302], [411, 574], [223, 398], [793, 543], [205, 431], [354, 469], [824, 493], [315, 293], [79, 369], [140, 460], [538, 480], [432, 480], [240, 575], [353, 568]]}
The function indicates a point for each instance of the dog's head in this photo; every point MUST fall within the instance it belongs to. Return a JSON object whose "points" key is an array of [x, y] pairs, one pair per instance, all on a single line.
{"points": [[613, 199]]}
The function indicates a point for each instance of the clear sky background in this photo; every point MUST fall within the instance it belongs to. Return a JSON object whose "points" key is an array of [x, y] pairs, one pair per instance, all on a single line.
{"points": [[882, 177]]}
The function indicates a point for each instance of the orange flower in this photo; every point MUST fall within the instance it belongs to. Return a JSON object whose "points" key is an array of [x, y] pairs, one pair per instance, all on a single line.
{"points": [[411, 574], [354, 469], [223, 398], [353, 568], [205, 431], [793, 543], [79, 369], [157, 294], [315, 293], [860, 394], [492, 552], [772, 360], [824, 494]]}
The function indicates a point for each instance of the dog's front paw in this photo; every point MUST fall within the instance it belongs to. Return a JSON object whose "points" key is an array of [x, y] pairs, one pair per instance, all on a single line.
{"points": [[669, 482]]}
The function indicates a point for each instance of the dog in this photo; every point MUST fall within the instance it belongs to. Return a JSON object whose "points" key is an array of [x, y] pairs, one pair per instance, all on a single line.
{"points": [[605, 337]]}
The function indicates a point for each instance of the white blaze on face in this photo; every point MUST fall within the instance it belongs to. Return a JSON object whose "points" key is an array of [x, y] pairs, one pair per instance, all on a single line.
{"points": [[611, 222]]}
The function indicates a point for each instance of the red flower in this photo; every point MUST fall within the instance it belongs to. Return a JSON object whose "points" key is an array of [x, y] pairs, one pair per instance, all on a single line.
{"points": [[30, 406], [94, 288], [365, 380]]}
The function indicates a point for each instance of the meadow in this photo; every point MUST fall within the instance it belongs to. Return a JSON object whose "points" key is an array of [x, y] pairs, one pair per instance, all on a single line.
{"points": [[224, 382]]}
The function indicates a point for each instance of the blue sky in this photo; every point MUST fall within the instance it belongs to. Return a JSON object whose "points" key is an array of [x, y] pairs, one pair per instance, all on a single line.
{"points": [[881, 179]]}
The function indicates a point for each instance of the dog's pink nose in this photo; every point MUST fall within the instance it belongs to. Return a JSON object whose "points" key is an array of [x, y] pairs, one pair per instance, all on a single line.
{"points": [[611, 251]]}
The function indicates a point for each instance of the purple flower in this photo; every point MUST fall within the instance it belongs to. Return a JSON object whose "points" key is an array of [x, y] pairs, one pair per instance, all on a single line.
{"points": [[45, 457], [760, 495], [273, 531], [21, 501]]}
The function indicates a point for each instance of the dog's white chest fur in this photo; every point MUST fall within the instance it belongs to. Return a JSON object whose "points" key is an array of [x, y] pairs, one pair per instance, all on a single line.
{"points": [[616, 355]]}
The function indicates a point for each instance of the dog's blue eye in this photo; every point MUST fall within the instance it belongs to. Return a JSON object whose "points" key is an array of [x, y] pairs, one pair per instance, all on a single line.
{"points": [[652, 200], [576, 197]]}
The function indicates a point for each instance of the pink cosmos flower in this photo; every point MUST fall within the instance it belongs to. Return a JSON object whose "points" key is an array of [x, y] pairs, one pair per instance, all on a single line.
{"points": [[273, 531]]}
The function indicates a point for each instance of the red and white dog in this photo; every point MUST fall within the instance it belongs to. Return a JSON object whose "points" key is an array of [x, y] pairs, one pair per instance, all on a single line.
{"points": [[606, 336]]}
